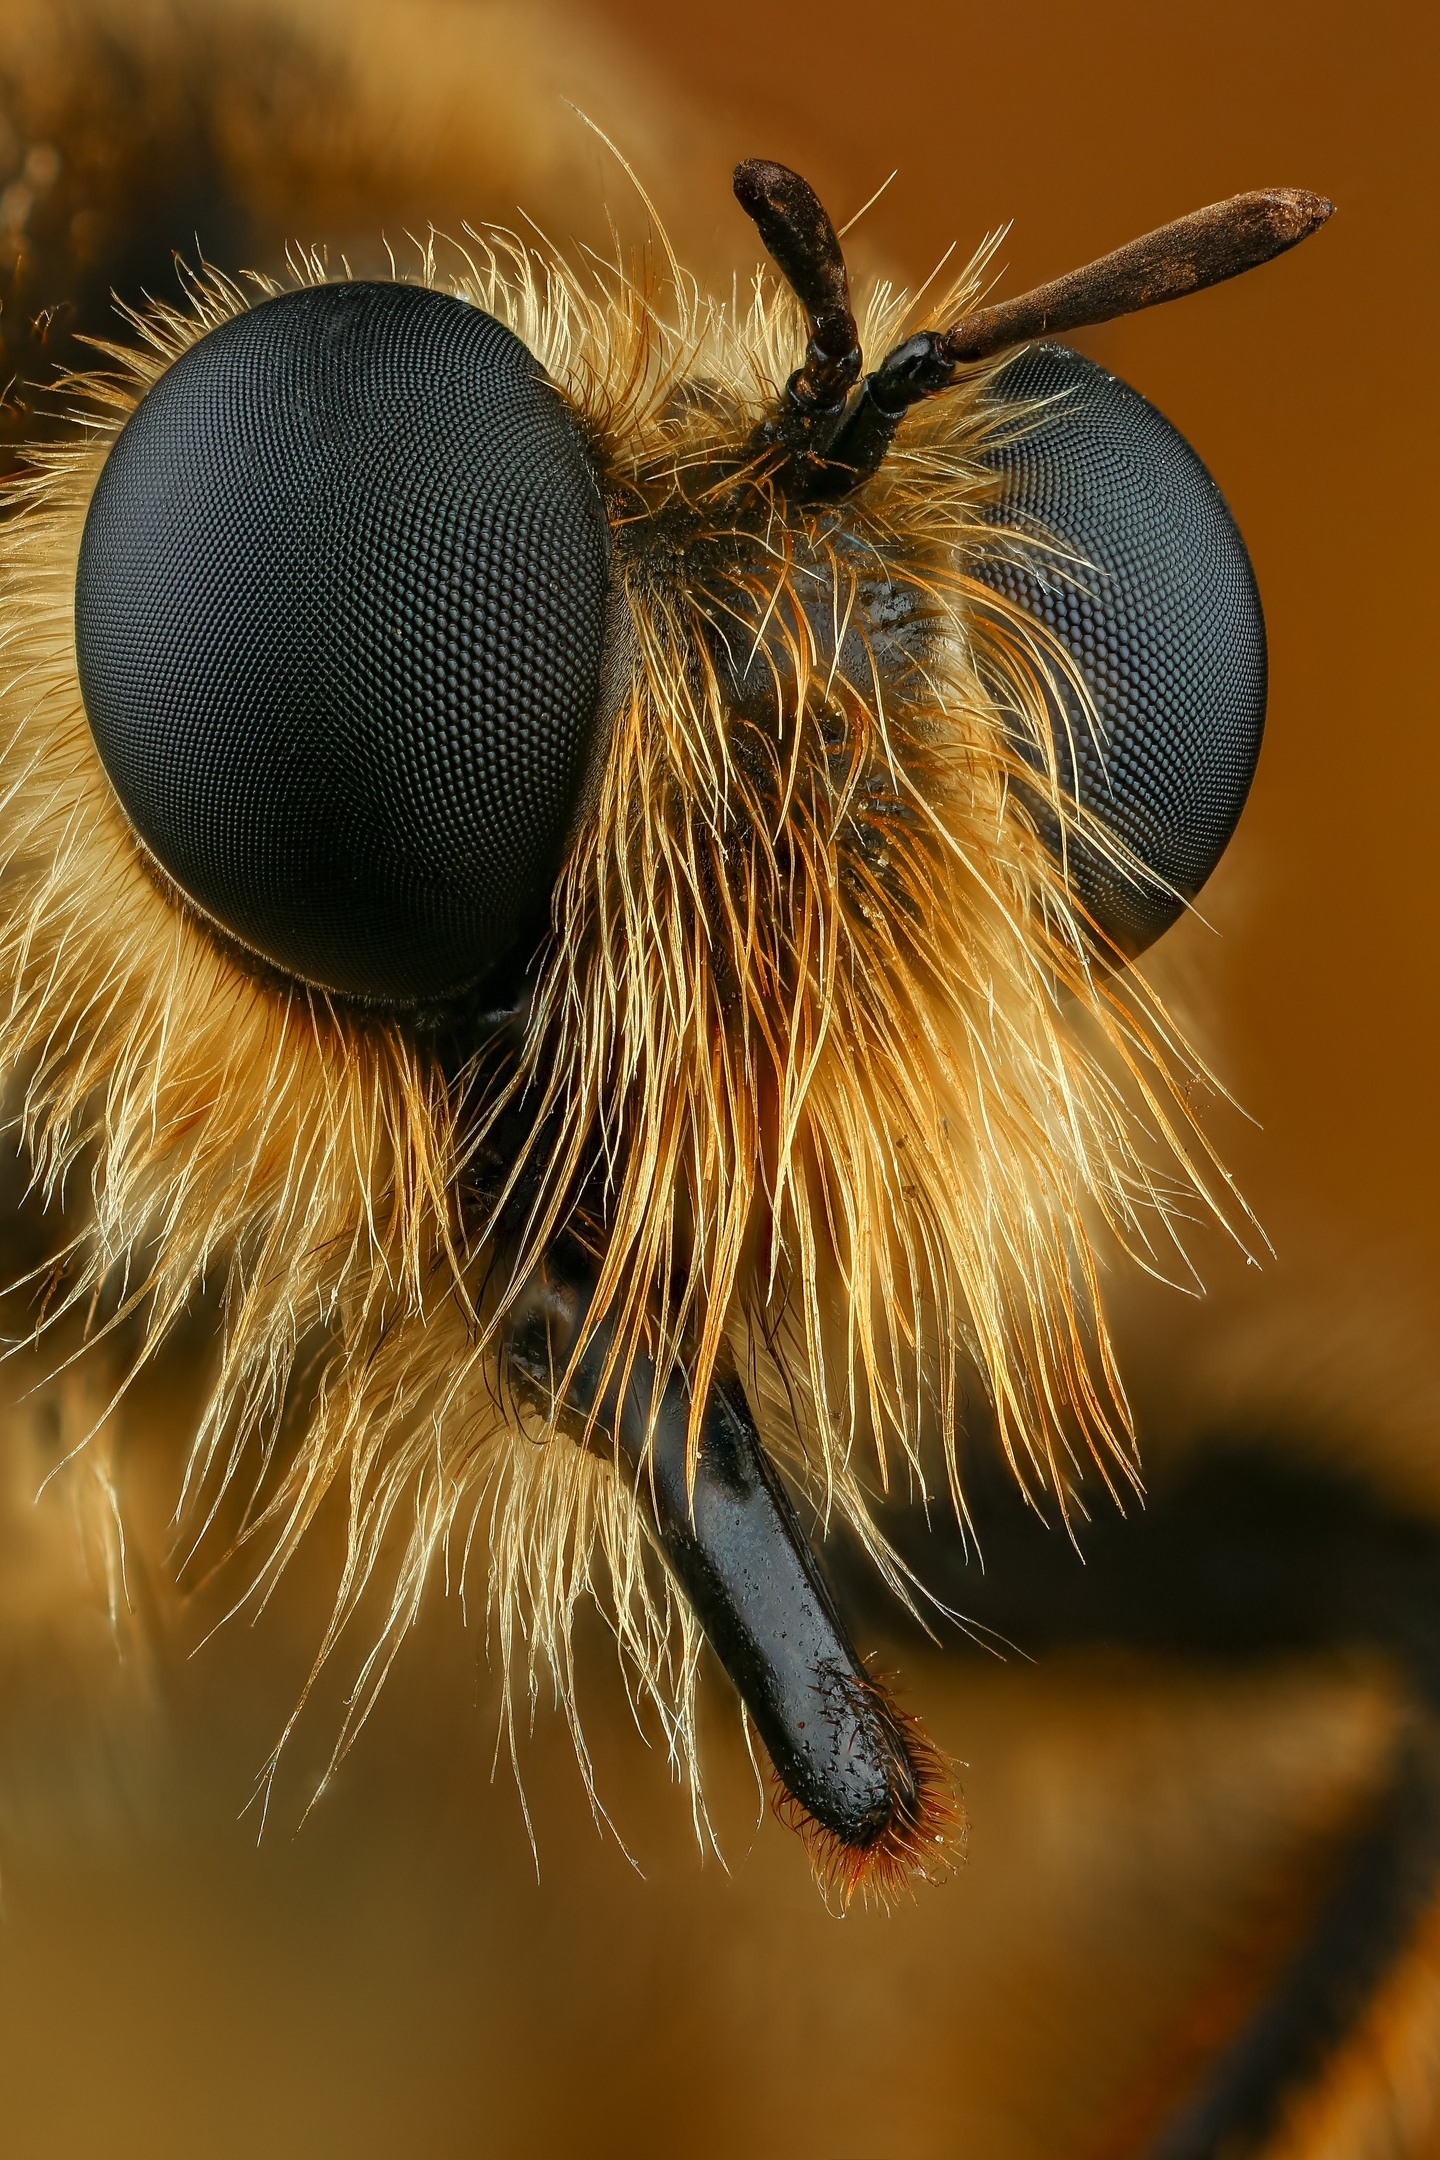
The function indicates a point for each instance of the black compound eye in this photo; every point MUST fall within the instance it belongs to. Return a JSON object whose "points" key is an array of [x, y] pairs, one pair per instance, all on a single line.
{"points": [[339, 617], [1162, 616]]}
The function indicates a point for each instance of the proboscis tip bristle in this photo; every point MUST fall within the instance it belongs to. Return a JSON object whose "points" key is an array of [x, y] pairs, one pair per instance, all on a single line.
{"points": [[923, 1840]]}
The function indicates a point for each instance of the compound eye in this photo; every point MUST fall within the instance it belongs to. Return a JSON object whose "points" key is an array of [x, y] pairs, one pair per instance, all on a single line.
{"points": [[339, 615], [1153, 595]]}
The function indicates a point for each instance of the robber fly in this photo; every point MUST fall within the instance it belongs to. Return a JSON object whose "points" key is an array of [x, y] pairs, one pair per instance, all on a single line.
{"points": [[582, 846], [594, 869]]}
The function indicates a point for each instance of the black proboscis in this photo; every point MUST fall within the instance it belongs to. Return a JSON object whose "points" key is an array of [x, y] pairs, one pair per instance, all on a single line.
{"points": [[732, 1540]]}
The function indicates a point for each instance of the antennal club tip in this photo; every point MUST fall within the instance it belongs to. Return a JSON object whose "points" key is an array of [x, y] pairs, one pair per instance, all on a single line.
{"points": [[1294, 212], [761, 184], [1252, 229], [797, 232]]}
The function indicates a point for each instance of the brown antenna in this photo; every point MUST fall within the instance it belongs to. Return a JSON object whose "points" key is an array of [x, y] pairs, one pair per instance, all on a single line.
{"points": [[796, 230], [1203, 249]]}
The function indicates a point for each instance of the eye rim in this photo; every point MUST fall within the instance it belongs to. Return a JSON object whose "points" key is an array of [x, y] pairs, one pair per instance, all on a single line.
{"points": [[572, 490]]}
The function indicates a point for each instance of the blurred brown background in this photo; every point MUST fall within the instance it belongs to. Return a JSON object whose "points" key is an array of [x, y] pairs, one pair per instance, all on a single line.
{"points": [[394, 1978]]}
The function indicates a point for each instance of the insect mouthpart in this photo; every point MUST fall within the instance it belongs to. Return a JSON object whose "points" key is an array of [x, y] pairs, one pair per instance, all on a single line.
{"points": [[852, 1769]]}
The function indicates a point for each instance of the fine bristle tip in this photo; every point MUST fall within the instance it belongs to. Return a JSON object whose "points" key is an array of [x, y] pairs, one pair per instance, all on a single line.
{"points": [[923, 1840], [1299, 212]]}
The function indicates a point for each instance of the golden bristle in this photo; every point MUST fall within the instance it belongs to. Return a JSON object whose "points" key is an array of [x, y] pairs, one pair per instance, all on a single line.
{"points": [[816, 1020]]}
